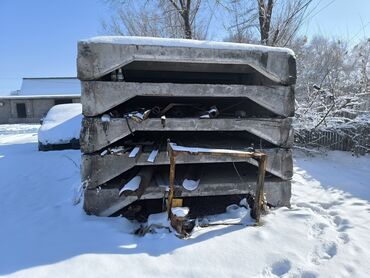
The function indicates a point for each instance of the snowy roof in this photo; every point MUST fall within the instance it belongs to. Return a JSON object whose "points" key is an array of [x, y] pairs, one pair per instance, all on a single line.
{"points": [[185, 43], [50, 86]]}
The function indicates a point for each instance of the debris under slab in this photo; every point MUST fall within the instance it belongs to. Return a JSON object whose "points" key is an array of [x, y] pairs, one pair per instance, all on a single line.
{"points": [[186, 223]]}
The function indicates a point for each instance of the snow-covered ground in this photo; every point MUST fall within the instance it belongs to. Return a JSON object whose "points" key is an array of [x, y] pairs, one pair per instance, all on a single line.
{"points": [[326, 233]]}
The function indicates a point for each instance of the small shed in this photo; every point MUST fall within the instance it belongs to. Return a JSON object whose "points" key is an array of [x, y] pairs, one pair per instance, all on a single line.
{"points": [[36, 97]]}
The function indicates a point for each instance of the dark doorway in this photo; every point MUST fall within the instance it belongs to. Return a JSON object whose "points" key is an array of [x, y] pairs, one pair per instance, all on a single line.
{"points": [[62, 101], [21, 110]]}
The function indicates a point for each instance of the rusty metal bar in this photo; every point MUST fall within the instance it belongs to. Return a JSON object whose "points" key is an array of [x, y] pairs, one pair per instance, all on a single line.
{"points": [[173, 150]]}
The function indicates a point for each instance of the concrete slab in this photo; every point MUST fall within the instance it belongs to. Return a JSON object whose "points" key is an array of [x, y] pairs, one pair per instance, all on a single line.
{"points": [[98, 58], [97, 134], [106, 201], [97, 169], [99, 96]]}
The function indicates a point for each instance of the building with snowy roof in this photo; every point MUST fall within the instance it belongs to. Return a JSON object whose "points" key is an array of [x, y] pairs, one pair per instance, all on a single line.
{"points": [[36, 97]]}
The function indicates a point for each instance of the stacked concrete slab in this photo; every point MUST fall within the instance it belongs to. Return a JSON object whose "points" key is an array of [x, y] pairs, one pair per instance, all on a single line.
{"points": [[252, 87]]}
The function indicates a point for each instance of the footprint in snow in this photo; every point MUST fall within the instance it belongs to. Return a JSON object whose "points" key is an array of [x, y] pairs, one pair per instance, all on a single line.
{"points": [[330, 204], [341, 223], [278, 268], [314, 208], [317, 229], [325, 251], [344, 237], [308, 274], [359, 204]]}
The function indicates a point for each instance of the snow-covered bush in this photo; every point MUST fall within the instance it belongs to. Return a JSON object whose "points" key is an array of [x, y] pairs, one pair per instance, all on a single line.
{"points": [[332, 90]]}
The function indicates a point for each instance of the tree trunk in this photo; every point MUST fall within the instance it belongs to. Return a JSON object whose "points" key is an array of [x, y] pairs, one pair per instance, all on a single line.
{"points": [[265, 13], [183, 8], [187, 25]]}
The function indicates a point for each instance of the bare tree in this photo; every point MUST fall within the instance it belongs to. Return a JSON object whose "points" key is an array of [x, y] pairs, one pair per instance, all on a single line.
{"points": [[242, 20], [275, 22], [159, 18]]}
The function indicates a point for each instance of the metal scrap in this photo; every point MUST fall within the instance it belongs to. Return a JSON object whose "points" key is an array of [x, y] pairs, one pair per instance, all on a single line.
{"points": [[213, 112], [138, 116]]}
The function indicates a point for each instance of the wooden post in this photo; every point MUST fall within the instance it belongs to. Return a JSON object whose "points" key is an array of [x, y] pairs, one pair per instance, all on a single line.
{"points": [[173, 149], [258, 202], [172, 178]]}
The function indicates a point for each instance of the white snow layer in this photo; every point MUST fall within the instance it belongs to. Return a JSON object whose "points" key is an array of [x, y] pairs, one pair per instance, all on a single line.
{"points": [[203, 150], [134, 152], [160, 219], [132, 185], [61, 124], [206, 116], [180, 211], [190, 184], [133, 40], [325, 233], [152, 156], [105, 118], [234, 215]]}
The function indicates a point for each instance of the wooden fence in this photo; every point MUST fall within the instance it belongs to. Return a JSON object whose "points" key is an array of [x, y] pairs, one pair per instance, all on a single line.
{"points": [[355, 139]]}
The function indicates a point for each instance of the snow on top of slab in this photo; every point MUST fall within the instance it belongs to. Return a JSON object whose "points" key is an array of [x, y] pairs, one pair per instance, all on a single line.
{"points": [[195, 150], [133, 40], [180, 211], [50, 86], [152, 156], [190, 184], [132, 185], [61, 124], [134, 152], [160, 219], [105, 118]]}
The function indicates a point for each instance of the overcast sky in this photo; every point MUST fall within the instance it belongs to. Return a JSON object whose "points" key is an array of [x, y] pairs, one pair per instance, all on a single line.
{"points": [[38, 38]]}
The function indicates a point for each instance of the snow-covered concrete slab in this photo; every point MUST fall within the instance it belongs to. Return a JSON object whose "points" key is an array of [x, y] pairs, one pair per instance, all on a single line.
{"points": [[100, 56], [136, 40]]}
